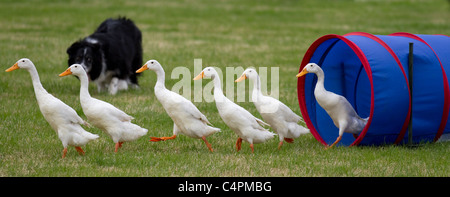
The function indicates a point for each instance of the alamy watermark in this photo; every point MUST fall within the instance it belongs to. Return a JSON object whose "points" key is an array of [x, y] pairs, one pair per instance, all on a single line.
{"points": [[205, 93]]}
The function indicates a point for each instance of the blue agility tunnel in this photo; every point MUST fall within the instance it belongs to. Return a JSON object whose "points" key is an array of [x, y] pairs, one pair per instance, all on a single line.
{"points": [[371, 71]]}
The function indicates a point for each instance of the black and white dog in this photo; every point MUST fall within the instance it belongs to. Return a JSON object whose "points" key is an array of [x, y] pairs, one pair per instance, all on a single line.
{"points": [[111, 55]]}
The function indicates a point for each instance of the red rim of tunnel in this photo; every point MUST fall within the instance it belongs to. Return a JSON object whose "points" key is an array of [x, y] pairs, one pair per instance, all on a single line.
{"points": [[301, 85], [446, 85]]}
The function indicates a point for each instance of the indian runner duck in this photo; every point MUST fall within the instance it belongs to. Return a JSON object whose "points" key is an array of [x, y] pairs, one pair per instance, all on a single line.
{"points": [[242, 122], [187, 119], [103, 115], [338, 108], [62, 118], [279, 116]]}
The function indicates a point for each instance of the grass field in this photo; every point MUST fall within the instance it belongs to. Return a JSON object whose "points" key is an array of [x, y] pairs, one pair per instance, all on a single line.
{"points": [[222, 34]]}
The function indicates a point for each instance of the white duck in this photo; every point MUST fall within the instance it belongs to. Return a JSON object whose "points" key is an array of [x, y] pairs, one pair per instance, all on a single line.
{"points": [[62, 118], [187, 119], [242, 122], [103, 115], [280, 117], [338, 108]]}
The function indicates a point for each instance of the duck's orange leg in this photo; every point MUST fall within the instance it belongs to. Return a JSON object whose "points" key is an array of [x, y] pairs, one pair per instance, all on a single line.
{"points": [[238, 144], [280, 144], [207, 144], [157, 139], [64, 153], [251, 146], [337, 140], [118, 145], [79, 150]]}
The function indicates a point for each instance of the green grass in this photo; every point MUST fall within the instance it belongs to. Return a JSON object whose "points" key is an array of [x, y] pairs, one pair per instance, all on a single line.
{"points": [[221, 33]]}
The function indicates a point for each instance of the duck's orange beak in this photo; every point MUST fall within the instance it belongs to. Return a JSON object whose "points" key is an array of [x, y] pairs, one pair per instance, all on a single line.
{"points": [[200, 76], [243, 77], [142, 69], [14, 67], [65, 73], [304, 72]]}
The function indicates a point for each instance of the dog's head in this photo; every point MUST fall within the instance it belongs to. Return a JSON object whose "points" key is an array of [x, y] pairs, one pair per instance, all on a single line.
{"points": [[88, 55]]}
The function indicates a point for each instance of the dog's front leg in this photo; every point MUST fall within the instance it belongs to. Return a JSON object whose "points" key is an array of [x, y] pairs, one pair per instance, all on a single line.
{"points": [[122, 85], [113, 86]]}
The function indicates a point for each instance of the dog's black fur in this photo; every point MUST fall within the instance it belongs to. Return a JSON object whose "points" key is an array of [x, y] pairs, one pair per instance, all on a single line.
{"points": [[114, 50]]}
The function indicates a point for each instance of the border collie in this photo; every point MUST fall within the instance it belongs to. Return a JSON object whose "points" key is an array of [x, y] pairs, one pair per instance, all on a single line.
{"points": [[111, 55]]}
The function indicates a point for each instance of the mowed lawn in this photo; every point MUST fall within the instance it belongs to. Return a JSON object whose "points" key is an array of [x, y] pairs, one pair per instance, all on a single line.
{"points": [[237, 33]]}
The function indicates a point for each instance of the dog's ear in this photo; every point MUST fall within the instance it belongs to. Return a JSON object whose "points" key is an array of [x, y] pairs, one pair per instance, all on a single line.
{"points": [[73, 47]]}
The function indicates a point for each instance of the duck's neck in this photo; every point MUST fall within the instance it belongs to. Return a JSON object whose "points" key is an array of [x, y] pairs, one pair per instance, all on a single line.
{"points": [[256, 94], [160, 79], [218, 93], [38, 88], [320, 81], [84, 88]]}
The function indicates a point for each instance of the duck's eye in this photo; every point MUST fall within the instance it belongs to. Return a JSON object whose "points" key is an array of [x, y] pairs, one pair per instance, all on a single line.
{"points": [[151, 62], [209, 69], [23, 60]]}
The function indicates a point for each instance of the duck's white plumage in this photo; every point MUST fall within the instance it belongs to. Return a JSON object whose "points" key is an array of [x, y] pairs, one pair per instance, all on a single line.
{"points": [[279, 116], [188, 120], [242, 122], [338, 108], [62, 118], [103, 115]]}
